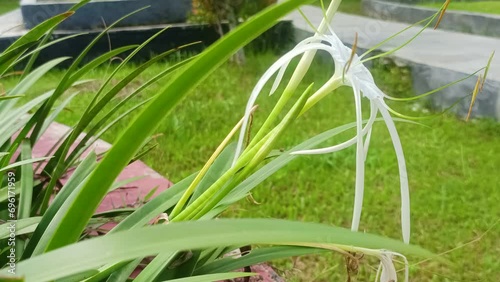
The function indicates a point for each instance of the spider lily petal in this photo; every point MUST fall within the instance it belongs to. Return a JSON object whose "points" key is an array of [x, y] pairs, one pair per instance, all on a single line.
{"points": [[387, 271], [360, 79], [360, 161]]}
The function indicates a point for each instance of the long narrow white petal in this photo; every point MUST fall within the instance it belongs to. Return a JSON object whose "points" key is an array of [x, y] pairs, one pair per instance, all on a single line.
{"points": [[407, 265], [345, 144], [389, 273], [374, 111], [360, 161], [403, 176], [281, 73], [279, 78]]}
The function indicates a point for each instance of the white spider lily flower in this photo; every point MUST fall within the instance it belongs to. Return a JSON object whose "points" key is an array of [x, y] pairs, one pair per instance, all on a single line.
{"points": [[360, 79]]}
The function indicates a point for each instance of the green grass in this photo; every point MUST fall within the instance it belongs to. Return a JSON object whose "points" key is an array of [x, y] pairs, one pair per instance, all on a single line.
{"points": [[347, 6], [487, 7], [452, 165], [8, 5]]}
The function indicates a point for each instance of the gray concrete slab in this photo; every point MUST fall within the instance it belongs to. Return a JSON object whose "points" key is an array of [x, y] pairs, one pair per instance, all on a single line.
{"points": [[461, 21], [99, 13], [436, 57], [278, 38], [11, 24]]}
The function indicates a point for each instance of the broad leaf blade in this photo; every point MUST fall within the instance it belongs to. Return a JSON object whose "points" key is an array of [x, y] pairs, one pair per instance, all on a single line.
{"points": [[130, 141], [146, 241]]}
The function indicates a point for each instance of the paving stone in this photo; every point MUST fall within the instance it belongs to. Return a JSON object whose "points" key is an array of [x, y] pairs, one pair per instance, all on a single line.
{"points": [[127, 196]]}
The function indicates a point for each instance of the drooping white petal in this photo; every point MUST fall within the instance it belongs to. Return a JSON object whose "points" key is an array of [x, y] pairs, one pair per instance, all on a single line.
{"points": [[403, 175], [346, 144], [373, 109], [407, 265], [281, 73], [388, 273], [360, 161]]}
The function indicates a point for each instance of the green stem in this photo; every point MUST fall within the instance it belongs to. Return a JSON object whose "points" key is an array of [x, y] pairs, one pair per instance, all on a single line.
{"points": [[212, 190], [297, 76], [185, 197], [257, 157]]}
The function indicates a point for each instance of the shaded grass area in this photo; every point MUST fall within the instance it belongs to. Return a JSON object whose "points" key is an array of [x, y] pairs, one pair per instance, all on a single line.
{"points": [[347, 6], [452, 165], [487, 7], [8, 5]]}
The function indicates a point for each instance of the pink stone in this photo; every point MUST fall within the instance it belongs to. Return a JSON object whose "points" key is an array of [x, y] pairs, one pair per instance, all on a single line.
{"points": [[126, 196]]}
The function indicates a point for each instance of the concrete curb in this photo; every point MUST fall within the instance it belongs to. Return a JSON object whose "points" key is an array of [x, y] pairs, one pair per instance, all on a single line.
{"points": [[475, 23], [98, 13], [428, 76], [274, 40]]}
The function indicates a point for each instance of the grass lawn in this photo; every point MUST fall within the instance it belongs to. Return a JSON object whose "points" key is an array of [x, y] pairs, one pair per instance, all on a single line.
{"points": [[8, 5], [347, 6], [452, 166], [487, 7]]}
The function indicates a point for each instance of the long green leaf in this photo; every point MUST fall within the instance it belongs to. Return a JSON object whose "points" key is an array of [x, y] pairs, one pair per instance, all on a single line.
{"points": [[25, 84], [23, 162], [128, 144], [156, 267], [26, 182], [37, 32], [33, 55], [141, 242], [164, 201], [78, 176], [9, 97], [255, 257], [220, 165], [67, 80], [269, 169], [16, 119], [84, 144], [8, 57], [90, 138], [93, 109], [100, 60], [124, 273], [153, 208], [22, 226]]}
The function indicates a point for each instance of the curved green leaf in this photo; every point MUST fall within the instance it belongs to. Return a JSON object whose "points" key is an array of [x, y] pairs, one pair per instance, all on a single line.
{"points": [[72, 224], [255, 257], [146, 241]]}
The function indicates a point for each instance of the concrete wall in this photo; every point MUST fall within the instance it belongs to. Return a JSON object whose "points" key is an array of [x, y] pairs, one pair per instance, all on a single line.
{"points": [[92, 15]]}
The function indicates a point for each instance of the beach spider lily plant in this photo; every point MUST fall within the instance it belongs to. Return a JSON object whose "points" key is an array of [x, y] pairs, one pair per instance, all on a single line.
{"points": [[350, 71], [196, 247]]}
